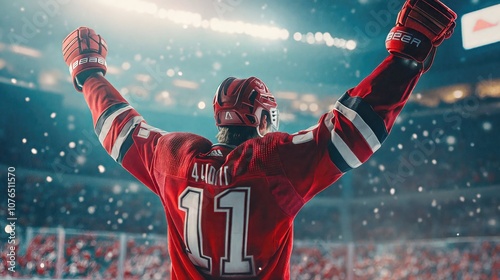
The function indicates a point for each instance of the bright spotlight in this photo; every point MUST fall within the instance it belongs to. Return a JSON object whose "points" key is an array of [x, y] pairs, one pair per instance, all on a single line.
{"points": [[351, 45], [139, 6], [297, 36]]}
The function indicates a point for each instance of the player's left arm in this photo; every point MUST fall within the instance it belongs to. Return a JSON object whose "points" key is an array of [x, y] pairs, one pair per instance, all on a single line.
{"points": [[371, 108], [363, 117], [120, 128]]}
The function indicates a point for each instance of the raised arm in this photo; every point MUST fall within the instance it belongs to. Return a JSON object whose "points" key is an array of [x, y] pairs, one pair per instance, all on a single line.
{"points": [[364, 115], [362, 118], [120, 128]]}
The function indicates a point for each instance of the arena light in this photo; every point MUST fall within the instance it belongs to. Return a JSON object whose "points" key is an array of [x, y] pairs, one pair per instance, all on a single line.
{"points": [[143, 78], [48, 79], [289, 95], [202, 105], [254, 30], [22, 50], [488, 88], [195, 20], [351, 45], [326, 38], [138, 6], [164, 98], [186, 84], [181, 17], [190, 19]]}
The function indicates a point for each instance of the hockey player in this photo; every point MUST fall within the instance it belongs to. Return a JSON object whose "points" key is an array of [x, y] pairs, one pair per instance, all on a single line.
{"points": [[230, 206]]}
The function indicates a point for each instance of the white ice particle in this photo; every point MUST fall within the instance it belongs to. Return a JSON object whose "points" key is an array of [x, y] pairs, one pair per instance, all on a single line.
{"points": [[487, 126], [8, 229], [451, 140], [101, 169]]}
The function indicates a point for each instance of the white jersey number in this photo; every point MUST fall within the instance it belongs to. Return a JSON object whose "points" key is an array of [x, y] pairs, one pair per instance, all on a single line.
{"points": [[235, 203]]}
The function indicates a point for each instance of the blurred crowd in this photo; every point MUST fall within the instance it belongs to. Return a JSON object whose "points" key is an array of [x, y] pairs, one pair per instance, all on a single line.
{"points": [[97, 256], [435, 260], [90, 256]]}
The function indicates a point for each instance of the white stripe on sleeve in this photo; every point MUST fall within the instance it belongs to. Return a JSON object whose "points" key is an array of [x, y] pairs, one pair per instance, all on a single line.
{"points": [[345, 151], [126, 130], [106, 127], [360, 125]]}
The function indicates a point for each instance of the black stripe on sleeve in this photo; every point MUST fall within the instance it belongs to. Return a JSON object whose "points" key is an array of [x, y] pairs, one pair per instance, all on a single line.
{"points": [[104, 116], [129, 141], [337, 158], [372, 119]]}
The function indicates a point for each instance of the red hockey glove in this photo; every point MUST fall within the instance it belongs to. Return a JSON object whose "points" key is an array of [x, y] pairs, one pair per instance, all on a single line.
{"points": [[421, 26], [85, 53]]}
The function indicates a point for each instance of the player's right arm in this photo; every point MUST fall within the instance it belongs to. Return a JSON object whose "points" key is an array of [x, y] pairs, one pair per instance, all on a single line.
{"points": [[120, 128], [362, 118]]}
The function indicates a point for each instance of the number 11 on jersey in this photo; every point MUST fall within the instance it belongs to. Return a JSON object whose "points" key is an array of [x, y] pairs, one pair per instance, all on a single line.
{"points": [[235, 202]]}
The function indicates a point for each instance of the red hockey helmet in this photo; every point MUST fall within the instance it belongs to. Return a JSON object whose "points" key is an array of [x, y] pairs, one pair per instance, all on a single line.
{"points": [[241, 102]]}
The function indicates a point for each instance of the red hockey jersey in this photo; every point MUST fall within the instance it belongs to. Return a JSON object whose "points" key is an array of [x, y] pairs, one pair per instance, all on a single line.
{"points": [[230, 210]]}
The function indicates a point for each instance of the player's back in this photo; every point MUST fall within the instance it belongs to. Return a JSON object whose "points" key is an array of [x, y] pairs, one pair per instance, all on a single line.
{"points": [[224, 215]]}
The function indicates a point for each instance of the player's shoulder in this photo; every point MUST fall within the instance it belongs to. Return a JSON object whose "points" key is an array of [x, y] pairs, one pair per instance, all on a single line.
{"points": [[185, 136], [259, 155], [175, 151], [268, 144], [184, 142]]}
